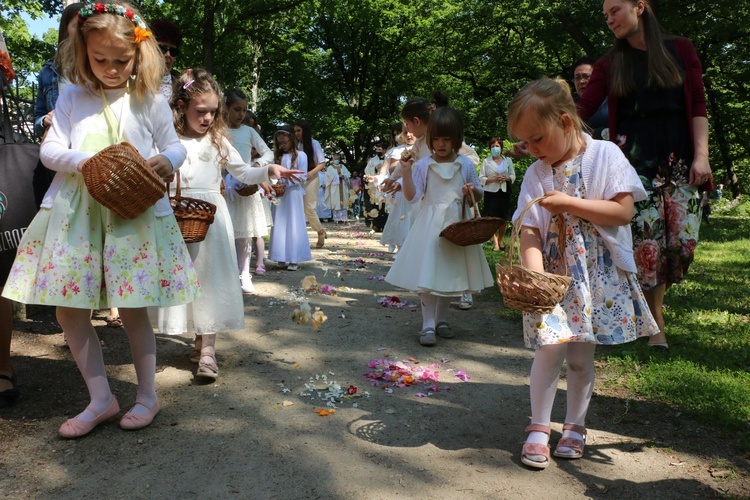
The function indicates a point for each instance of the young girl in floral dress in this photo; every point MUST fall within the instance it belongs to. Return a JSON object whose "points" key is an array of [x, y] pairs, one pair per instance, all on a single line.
{"points": [[590, 186], [76, 254]]}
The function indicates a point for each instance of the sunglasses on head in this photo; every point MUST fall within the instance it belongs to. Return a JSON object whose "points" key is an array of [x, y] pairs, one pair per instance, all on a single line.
{"points": [[172, 50]]}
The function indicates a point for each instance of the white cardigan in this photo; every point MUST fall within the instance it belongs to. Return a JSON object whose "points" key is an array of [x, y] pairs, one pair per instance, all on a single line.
{"points": [[147, 126], [490, 169], [606, 172]]}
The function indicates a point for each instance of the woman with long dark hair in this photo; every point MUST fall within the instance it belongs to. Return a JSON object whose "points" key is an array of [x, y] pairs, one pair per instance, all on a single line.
{"points": [[657, 114], [317, 162]]}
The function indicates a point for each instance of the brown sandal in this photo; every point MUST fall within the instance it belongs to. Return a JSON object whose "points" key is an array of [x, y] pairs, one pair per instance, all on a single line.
{"points": [[113, 321], [530, 449], [209, 370], [576, 446]]}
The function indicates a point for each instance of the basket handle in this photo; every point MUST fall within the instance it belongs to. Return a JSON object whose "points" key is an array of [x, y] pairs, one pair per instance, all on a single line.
{"points": [[515, 235], [177, 194], [469, 198]]}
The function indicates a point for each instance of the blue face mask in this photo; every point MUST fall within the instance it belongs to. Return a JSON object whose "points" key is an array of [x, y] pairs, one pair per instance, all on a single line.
{"points": [[496, 151]]}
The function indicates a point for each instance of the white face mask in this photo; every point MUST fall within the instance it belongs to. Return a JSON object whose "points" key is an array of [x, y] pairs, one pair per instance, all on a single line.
{"points": [[336, 162]]}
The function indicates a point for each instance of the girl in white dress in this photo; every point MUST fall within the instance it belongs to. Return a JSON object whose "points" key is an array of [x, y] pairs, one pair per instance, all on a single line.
{"points": [[399, 218], [322, 208], [427, 263], [289, 242], [247, 212], [417, 113], [337, 189], [592, 187], [198, 118]]}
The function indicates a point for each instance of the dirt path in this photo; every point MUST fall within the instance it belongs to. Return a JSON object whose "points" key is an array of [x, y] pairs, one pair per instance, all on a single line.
{"points": [[255, 432]]}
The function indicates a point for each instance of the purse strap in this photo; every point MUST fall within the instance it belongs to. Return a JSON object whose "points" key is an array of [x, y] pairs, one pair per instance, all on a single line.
{"points": [[516, 234]]}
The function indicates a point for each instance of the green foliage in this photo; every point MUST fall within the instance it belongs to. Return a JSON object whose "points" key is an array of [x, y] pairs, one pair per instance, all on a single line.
{"points": [[706, 369]]}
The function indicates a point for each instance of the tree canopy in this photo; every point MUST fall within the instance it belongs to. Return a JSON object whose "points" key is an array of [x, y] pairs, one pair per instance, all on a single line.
{"points": [[348, 66]]}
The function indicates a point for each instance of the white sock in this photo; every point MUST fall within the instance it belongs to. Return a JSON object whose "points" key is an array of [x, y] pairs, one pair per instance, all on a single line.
{"points": [[429, 305]]}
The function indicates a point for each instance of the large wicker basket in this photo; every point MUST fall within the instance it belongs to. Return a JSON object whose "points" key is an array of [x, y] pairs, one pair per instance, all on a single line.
{"points": [[527, 290], [120, 179], [474, 231], [194, 216], [246, 190], [279, 189]]}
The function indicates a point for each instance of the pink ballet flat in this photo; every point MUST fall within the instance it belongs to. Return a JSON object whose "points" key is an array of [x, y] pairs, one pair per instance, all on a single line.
{"points": [[74, 428], [576, 446], [531, 449], [132, 422]]}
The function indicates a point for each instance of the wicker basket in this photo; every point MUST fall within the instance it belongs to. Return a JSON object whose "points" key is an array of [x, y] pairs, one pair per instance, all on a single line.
{"points": [[527, 290], [474, 231], [194, 216], [120, 179], [246, 190], [279, 189]]}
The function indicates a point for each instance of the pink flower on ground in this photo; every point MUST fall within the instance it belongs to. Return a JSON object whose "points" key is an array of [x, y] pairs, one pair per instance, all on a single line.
{"points": [[462, 375]]}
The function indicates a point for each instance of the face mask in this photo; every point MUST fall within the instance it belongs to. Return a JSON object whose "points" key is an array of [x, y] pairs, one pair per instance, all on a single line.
{"points": [[380, 155], [496, 151], [336, 162]]}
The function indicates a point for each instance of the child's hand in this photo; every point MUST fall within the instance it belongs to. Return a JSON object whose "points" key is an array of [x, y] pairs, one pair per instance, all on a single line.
{"points": [[556, 202], [266, 188], [284, 173], [390, 186], [467, 188], [161, 165], [170, 178], [519, 151]]}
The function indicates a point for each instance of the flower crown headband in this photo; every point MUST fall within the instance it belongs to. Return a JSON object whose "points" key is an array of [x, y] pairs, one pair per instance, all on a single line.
{"points": [[141, 30]]}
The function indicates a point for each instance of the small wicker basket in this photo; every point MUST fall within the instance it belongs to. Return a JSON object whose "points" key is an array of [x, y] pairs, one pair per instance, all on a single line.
{"points": [[120, 179], [527, 290], [246, 190], [279, 189], [474, 231], [194, 216]]}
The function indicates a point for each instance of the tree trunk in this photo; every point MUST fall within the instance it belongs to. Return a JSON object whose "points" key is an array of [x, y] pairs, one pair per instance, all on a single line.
{"points": [[731, 179]]}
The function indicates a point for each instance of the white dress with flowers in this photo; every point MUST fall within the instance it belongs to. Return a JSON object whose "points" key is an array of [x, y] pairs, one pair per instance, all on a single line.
{"points": [[604, 304], [77, 253], [427, 262]]}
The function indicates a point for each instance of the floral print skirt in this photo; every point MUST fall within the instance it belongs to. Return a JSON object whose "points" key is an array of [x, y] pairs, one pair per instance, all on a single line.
{"points": [[79, 254], [665, 227]]}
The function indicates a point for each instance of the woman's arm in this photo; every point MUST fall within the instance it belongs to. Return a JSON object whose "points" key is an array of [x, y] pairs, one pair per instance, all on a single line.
{"points": [[596, 90], [615, 212], [511, 171], [700, 171]]}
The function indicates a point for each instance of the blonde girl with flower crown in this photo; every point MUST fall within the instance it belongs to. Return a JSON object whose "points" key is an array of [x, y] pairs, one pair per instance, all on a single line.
{"points": [[76, 254]]}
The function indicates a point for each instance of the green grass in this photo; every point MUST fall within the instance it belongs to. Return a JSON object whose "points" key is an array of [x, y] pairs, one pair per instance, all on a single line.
{"points": [[706, 372]]}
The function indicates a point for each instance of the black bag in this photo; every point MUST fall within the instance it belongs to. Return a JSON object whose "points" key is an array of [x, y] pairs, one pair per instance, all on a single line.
{"points": [[18, 159]]}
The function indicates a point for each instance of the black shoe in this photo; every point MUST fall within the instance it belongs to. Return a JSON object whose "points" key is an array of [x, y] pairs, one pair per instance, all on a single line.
{"points": [[9, 396]]}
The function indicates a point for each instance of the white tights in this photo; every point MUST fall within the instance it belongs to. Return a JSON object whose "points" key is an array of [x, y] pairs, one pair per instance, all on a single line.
{"points": [[433, 309], [244, 247], [87, 352], [545, 372]]}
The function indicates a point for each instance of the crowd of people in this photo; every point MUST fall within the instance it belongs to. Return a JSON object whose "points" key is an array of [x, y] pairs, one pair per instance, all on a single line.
{"points": [[613, 200]]}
